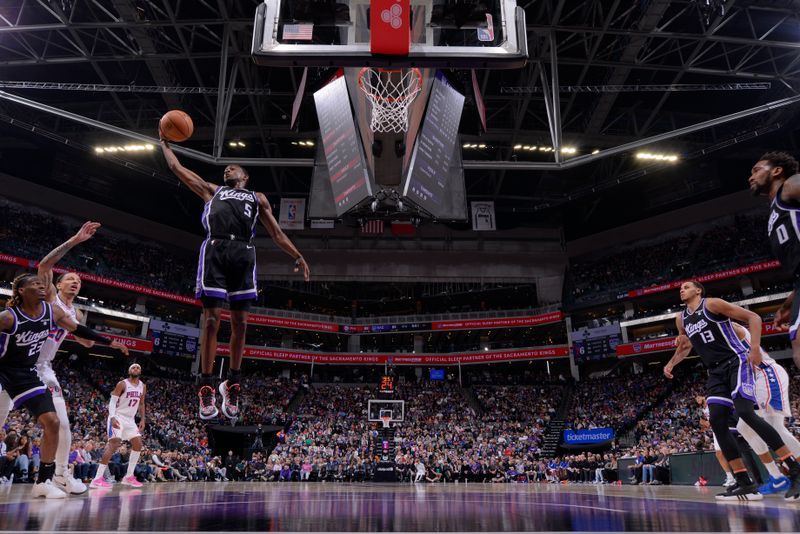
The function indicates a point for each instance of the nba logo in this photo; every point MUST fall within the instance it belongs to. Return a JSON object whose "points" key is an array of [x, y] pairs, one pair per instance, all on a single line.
{"points": [[292, 215], [486, 34], [637, 347]]}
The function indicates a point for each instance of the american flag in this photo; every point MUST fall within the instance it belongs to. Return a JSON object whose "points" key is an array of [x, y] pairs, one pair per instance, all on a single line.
{"points": [[372, 228], [298, 32]]}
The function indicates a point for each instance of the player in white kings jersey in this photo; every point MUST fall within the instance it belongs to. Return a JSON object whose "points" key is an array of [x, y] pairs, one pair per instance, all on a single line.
{"points": [[127, 400], [61, 294]]}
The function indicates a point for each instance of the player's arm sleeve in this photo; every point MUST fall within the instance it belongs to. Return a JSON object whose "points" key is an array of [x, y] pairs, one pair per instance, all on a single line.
{"points": [[112, 405], [91, 335]]}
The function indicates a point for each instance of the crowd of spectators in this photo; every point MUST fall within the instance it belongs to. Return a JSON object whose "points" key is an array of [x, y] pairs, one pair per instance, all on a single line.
{"points": [[697, 250], [675, 422], [486, 433], [109, 253], [615, 401]]}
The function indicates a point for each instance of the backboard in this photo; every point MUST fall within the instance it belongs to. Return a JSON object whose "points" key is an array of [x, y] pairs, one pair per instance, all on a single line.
{"points": [[376, 408], [442, 33]]}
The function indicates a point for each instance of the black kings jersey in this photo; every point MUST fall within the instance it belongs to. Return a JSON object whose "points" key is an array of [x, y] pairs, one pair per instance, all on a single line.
{"points": [[783, 230], [231, 214], [21, 346], [712, 336]]}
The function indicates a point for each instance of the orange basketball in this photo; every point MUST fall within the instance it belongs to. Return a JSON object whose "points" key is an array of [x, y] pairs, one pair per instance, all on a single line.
{"points": [[176, 126]]}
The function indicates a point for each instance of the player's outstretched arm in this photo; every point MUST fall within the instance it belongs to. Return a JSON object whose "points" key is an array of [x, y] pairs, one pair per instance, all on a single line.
{"points": [[753, 320], [784, 313], [65, 321], [279, 237], [54, 256], [190, 179], [6, 321], [682, 348]]}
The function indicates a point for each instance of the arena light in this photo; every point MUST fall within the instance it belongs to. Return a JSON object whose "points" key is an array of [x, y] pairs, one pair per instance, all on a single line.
{"points": [[568, 150], [123, 148], [596, 151], [651, 156]]}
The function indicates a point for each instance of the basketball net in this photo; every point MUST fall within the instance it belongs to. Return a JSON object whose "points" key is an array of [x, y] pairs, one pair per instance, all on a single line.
{"points": [[386, 420], [390, 93]]}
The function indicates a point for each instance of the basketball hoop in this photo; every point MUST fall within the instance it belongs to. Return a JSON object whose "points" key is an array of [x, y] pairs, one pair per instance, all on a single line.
{"points": [[390, 92], [386, 420]]}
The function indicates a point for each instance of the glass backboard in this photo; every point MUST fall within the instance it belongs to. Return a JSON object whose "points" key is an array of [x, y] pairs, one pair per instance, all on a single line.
{"points": [[442, 33]]}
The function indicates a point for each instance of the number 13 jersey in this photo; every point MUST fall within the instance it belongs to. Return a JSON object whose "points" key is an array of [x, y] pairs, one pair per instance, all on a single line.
{"points": [[712, 336]]}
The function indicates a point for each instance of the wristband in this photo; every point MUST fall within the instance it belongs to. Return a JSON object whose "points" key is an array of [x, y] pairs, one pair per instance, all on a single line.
{"points": [[91, 335]]}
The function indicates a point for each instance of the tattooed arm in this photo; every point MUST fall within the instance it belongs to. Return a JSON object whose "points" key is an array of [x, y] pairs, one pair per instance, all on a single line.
{"points": [[54, 256]]}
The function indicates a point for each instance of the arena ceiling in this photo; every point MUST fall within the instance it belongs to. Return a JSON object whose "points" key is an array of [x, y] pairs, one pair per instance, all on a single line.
{"points": [[627, 72]]}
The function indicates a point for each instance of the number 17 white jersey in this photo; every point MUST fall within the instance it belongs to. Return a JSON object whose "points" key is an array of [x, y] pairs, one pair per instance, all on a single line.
{"points": [[128, 403]]}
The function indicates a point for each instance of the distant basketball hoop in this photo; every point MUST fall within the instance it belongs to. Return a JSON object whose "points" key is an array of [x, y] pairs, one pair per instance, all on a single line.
{"points": [[386, 419], [390, 93]]}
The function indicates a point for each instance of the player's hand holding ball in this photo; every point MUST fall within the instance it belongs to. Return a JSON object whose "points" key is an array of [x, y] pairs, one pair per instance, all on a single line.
{"points": [[175, 126]]}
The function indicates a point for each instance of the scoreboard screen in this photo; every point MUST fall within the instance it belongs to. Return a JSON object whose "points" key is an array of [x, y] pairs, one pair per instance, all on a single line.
{"points": [[174, 344], [596, 348]]}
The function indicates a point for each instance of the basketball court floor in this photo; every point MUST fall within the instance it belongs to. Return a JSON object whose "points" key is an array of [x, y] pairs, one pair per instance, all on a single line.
{"points": [[315, 507]]}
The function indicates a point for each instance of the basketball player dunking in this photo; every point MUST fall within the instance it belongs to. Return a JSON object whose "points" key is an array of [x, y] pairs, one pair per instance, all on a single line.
{"points": [[227, 270], [25, 326], [731, 382], [775, 175], [127, 400], [62, 295]]}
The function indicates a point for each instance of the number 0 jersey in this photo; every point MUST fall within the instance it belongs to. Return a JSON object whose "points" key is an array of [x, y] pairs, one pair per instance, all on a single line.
{"points": [[22, 345], [783, 230], [231, 214], [57, 335], [712, 336]]}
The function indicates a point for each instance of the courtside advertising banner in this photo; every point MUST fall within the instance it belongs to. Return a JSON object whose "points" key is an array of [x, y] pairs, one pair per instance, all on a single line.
{"points": [[589, 436]]}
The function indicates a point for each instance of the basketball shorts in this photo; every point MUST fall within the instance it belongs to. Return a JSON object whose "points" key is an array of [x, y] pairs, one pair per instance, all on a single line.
{"points": [[729, 380], [127, 429], [794, 320], [772, 389], [226, 270], [26, 389], [48, 377]]}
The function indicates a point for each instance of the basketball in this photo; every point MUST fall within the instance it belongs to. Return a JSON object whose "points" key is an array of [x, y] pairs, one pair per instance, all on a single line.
{"points": [[176, 125]]}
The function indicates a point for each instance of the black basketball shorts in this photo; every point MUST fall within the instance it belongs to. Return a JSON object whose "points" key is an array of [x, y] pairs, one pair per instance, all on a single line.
{"points": [[731, 379], [226, 270], [26, 389]]}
